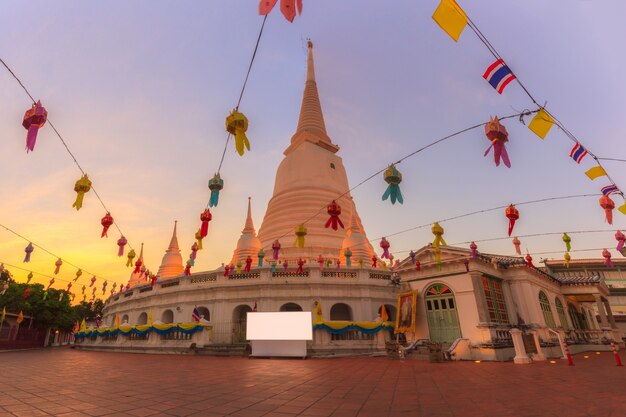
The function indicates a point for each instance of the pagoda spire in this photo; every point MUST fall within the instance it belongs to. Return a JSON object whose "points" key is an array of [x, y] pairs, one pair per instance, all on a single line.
{"points": [[172, 261], [311, 125], [249, 226], [173, 247]]}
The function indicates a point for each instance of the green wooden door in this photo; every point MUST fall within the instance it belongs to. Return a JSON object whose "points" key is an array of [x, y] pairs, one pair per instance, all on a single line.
{"points": [[443, 320]]}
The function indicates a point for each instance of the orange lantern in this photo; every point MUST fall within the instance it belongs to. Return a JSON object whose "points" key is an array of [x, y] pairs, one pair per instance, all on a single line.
{"points": [[512, 214], [608, 205]]}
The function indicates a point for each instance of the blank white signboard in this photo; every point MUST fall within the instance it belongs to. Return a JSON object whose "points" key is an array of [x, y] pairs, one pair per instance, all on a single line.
{"points": [[285, 325]]}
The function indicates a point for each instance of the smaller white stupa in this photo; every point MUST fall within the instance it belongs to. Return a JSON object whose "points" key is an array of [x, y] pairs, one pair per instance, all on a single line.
{"points": [[172, 262]]}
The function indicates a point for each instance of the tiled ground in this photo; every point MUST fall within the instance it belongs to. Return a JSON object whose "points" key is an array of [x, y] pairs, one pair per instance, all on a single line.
{"points": [[68, 383]]}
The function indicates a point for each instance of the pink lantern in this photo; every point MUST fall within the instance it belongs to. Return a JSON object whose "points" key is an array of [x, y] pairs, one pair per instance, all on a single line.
{"points": [[34, 118]]}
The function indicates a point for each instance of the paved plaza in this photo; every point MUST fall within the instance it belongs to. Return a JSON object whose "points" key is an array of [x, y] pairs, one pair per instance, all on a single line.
{"points": [[70, 383]]}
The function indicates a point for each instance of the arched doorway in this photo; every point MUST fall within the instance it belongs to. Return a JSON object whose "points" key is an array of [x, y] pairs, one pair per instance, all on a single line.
{"points": [[204, 313], [290, 307], [443, 320], [240, 317], [391, 312], [341, 312], [579, 321], [167, 317], [142, 319]]}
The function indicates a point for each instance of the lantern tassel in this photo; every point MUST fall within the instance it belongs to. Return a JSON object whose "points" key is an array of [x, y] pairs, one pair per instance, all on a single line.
{"points": [[393, 192]]}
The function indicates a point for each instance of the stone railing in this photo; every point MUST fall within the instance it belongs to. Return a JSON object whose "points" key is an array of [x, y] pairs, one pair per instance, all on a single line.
{"points": [[174, 339]]}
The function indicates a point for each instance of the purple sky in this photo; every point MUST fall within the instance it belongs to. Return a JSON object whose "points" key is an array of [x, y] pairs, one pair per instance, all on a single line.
{"points": [[140, 91]]}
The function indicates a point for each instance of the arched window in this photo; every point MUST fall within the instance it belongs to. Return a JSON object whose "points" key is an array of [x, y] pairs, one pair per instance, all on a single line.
{"points": [[578, 320], [341, 311], [495, 300], [124, 318], [546, 309], [290, 307], [142, 319], [391, 312], [204, 313], [167, 317], [561, 312]]}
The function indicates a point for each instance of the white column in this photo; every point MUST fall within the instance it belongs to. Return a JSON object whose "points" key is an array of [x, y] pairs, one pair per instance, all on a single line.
{"points": [[540, 355], [610, 314], [520, 350], [601, 311]]}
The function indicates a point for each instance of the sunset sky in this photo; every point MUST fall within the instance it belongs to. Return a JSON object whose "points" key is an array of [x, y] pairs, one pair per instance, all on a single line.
{"points": [[140, 90]]}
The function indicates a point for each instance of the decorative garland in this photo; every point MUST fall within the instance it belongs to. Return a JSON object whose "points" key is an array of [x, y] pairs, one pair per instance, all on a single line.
{"points": [[187, 328], [340, 327]]}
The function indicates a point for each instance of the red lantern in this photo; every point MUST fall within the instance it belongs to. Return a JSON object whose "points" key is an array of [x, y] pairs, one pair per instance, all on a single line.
{"points": [[608, 205], [226, 268], [418, 265], [205, 217], [248, 264], [512, 214], [106, 222], [34, 118], [300, 265], [334, 210], [138, 266], [374, 261], [26, 293], [529, 261]]}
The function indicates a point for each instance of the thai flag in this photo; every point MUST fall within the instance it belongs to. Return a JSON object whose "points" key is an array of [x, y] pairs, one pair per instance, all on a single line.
{"points": [[498, 75], [195, 314], [578, 152], [610, 189]]}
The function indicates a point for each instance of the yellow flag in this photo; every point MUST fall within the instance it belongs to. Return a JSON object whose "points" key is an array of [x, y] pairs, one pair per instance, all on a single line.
{"points": [[319, 318], [595, 172], [83, 326], [150, 322], [4, 314], [451, 18], [383, 313], [117, 320], [622, 208], [20, 318], [541, 123]]}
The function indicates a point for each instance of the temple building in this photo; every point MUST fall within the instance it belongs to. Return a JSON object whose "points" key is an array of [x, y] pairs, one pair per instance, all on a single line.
{"points": [[475, 306]]}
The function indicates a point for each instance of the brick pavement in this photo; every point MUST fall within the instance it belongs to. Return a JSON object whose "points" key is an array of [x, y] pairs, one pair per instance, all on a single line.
{"points": [[69, 383]]}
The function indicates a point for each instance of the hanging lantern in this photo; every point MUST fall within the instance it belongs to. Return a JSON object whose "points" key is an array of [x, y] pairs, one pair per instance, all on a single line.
{"points": [[238, 270], [194, 250], [320, 260], [437, 251], [498, 136], [231, 271], [393, 177], [568, 242], [57, 265], [621, 239], [131, 255], [517, 243], [412, 255], [512, 214], [106, 222], [82, 186], [529, 261], [391, 259], [205, 217], [121, 242], [301, 232], [248, 264], [34, 118], [374, 261], [198, 236], [69, 285], [50, 284], [348, 254], [287, 8], [333, 210], [45, 295], [78, 274], [384, 245], [437, 230], [608, 205], [215, 185], [273, 267], [338, 263], [28, 249], [83, 289], [360, 261], [114, 286], [104, 287], [607, 258], [418, 266], [153, 280], [567, 259], [300, 269], [327, 262], [226, 268], [26, 292], [29, 277], [473, 250], [93, 281], [188, 269], [275, 248], [138, 265], [260, 255], [236, 125]]}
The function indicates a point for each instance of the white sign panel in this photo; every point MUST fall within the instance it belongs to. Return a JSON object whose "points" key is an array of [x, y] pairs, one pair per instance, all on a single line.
{"points": [[285, 325]]}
